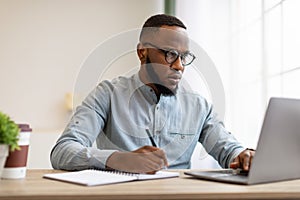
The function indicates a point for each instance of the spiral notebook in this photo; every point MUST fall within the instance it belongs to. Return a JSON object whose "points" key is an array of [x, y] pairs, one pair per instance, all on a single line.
{"points": [[92, 177]]}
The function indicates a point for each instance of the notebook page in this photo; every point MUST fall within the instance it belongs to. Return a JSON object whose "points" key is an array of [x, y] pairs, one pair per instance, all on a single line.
{"points": [[90, 177], [157, 175]]}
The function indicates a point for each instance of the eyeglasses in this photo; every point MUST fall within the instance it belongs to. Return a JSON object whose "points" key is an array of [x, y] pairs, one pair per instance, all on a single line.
{"points": [[172, 55]]}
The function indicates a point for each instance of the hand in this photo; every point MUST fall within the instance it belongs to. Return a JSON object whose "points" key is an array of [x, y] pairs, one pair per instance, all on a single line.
{"points": [[243, 160], [147, 159]]}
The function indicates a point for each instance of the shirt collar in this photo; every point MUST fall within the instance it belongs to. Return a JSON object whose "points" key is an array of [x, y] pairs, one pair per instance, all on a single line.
{"points": [[146, 90]]}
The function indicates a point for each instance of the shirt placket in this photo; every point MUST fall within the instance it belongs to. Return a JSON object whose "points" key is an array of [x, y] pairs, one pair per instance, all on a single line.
{"points": [[159, 121]]}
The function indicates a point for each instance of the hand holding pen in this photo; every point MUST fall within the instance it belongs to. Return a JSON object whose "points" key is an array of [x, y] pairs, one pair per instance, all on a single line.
{"points": [[153, 142], [147, 159]]}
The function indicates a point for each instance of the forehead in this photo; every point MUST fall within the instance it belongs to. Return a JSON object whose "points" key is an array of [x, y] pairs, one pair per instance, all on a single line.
{"points": [[170, 36]]}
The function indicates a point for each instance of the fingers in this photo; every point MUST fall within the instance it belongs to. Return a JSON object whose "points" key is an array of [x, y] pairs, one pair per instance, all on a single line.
{"points": [[147, 159], [146, 149], [160, 154], [246, 160], [234, 165], [252, 153], [155, 154], [157, 159], [132, 162], [243, 160], [152, 165]]}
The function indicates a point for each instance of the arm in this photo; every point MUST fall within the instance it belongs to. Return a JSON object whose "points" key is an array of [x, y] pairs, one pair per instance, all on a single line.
{"points": [[73, 150], [217, 141]]}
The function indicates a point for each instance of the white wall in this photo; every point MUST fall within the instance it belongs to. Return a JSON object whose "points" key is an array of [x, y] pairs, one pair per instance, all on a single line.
{"points": [[40, 147], [43, 44]]}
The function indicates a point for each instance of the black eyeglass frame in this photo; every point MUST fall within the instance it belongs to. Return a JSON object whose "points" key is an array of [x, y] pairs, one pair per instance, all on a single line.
{"points": [[173, 51]]}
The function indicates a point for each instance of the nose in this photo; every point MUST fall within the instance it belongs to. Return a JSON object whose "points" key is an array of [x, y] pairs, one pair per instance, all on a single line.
{"points": [[177, 65]]}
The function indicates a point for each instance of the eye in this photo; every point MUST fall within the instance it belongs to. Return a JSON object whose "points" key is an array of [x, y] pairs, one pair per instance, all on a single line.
{"points": [[184, 56], [172, 54]]}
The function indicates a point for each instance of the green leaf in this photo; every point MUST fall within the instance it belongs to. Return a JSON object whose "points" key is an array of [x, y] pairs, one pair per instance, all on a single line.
{"points": [[9, 132]]}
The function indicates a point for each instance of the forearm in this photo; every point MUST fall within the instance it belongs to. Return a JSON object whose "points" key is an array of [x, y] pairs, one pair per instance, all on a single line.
{"points": [[225, 151], [71, 155], [219, 142]]}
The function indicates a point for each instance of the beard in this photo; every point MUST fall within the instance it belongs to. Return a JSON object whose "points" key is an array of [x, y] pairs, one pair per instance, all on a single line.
{"points": [[165, 91]]}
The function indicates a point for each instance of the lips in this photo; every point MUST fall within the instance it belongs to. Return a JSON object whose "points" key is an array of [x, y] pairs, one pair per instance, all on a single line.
{"points": [[174, 78]]}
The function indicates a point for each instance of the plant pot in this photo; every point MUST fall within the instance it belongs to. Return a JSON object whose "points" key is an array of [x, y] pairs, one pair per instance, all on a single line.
{"points": [[3, 156]]}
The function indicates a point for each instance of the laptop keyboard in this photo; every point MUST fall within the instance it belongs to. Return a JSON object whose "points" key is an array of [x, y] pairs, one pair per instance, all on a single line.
{"points": [[229, 172]]}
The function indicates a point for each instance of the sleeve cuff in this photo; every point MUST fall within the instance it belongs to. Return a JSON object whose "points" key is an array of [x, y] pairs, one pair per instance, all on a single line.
{"points": [[234, 155], [99, 157]]}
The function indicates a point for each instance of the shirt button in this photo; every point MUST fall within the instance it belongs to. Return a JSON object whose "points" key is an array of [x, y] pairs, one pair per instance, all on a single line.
{"points": [[182, 136]]}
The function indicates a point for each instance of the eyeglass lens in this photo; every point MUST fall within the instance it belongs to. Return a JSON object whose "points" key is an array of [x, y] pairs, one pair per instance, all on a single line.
{"points": [[172, 56]]}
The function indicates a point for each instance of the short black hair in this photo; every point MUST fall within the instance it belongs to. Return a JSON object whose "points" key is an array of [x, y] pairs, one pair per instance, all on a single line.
{"points": [[156, 21], [163, 19]]}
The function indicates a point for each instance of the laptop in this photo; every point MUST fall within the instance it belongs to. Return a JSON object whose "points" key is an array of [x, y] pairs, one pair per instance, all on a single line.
{"points": [[277, 154]]}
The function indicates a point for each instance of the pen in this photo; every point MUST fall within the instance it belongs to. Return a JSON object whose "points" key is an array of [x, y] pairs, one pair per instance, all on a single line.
{"points": [[151, 138], [153, 142]]}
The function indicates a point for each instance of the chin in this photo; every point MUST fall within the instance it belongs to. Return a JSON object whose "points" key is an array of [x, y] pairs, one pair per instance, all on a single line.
{"points": [[169, 91], [173, 88]]}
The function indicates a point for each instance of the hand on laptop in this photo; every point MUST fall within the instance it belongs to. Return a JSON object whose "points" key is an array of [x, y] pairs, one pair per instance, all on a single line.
{"points": [[243, 160]]}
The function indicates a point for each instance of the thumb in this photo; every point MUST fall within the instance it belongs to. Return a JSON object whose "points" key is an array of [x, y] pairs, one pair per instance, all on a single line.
{"points": [[235, 163]]}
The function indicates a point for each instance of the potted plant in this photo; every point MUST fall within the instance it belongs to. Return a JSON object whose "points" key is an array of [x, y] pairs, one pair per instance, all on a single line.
{"points": [[9, 132]]}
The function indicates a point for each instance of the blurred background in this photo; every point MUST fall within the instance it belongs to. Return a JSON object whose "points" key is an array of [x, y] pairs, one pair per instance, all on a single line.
{"points": [[254, 45]]}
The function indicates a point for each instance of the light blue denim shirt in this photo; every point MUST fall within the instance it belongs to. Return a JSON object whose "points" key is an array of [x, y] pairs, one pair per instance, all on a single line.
{"points": [[116, 115]]}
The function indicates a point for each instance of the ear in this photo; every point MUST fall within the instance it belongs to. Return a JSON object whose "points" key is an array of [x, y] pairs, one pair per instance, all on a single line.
{"points": [[142, 53]]}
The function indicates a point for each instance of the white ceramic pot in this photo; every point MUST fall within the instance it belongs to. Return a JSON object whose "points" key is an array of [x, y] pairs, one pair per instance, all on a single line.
{"points": [[3, 156]]}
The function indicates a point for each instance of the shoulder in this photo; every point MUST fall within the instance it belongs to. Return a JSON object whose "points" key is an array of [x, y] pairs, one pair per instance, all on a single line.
{"points": [[108, 89], [192, 97], [118, 82]]}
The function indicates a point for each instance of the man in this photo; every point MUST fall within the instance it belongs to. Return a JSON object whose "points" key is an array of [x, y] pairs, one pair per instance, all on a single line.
{"points": [[150, 120]]}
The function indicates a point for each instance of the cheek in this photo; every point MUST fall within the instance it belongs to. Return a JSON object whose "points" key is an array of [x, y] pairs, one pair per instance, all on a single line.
{"points": [[157, 58], [159, 66], [162, 72], [160, 69]]}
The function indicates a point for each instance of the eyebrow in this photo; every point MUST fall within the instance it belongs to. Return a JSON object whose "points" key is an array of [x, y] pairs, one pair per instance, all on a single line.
{"points": [[166, 48], [172, 48]]}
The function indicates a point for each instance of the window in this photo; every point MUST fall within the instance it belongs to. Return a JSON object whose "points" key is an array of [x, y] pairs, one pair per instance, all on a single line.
{"points": [[255, 45]]}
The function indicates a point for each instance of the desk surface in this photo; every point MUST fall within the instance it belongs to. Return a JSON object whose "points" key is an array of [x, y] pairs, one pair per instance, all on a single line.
{"points": [[35, 187]]}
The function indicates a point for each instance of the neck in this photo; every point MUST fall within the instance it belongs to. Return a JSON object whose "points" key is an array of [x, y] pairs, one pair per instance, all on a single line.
{"points": [[144, 77]]}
